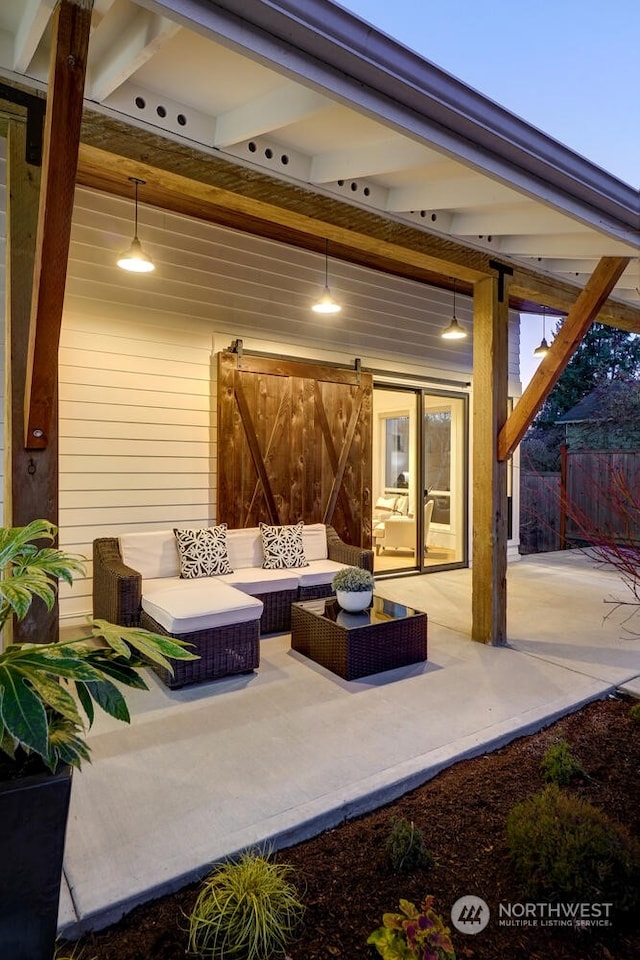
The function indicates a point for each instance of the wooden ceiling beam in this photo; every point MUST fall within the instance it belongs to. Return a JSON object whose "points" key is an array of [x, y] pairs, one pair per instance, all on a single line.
{"points": [[564, 345], [67, 69], [529, 290]]}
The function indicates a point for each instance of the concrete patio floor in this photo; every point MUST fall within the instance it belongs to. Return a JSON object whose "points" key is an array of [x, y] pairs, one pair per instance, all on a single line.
{"points": [[275, 757]]}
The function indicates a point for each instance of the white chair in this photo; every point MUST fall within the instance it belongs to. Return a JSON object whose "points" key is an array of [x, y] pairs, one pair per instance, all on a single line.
{"points": [[400, 532]]}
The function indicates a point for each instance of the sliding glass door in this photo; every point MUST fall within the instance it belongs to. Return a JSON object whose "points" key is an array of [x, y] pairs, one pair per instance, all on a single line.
{"points": [[419, 479], [444, 446]]}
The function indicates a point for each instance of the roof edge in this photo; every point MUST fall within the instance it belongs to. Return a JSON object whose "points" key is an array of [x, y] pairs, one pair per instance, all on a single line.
{"points": [[331, 47]]}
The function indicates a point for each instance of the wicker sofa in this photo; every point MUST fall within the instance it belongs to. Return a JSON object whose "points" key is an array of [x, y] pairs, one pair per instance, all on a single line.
{"points": [[136, 582]]}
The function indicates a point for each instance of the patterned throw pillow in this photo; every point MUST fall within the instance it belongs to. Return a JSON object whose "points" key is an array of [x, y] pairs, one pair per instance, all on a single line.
{"points": [[203, 553], [282, 546]]}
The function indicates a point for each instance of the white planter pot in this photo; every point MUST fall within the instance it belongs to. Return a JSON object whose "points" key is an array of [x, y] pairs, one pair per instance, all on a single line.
{"points": [[354, 601]]}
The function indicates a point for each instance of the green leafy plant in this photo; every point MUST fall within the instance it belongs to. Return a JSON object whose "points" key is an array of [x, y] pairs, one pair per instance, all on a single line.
{"points": [[39, 716], [405, 847], [413, 933], [564, 848], [634, 712], [559, 766], [353, 580], [248, 910]]}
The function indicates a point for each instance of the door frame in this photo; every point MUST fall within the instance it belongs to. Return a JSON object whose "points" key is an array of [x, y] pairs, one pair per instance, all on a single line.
{"points": [[419, 392]]}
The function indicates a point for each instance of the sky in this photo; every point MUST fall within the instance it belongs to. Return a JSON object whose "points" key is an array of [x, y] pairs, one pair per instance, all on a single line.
{"points": [[571, 68]]}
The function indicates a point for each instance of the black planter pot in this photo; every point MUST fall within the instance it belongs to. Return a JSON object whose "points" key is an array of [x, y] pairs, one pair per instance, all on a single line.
{"points": [[33, 823]]}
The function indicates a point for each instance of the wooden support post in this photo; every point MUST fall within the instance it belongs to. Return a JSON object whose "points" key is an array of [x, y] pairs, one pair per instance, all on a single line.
{"points": [[490, 378], [69, 47], [31, 477]]}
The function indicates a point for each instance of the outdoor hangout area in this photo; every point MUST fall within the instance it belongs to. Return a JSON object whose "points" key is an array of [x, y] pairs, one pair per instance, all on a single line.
{"points": [[268, 275]]}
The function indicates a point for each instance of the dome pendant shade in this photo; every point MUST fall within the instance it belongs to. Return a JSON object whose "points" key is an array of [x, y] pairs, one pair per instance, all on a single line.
{"points": [[135, 260], [543, 347], [454, 331], [326, 303]]}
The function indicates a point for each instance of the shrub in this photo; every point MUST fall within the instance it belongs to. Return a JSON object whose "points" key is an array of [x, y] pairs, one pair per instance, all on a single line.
{"points": [[564, 848], [634, 713], [413, 933], [559, 766], [247, 910], [353, 580], [405, 847]]}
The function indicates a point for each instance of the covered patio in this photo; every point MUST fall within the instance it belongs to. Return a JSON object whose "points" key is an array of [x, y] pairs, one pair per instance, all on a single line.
{"points": [[300, 126], [205, 772]]}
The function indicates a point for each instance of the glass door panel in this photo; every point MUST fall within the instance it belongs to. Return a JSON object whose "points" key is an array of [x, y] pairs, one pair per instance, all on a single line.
{"points": [[396, 465], [444, 469]]}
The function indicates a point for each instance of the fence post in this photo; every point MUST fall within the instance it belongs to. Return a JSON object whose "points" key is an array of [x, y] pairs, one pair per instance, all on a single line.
{"points": [[563, 496]]}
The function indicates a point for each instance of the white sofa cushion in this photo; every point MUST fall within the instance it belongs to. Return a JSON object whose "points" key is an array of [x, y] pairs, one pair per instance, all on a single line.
{"points": [[152, 554], [314, 541], [255, 580], [183, 606], [319, 572], [244, 548]]}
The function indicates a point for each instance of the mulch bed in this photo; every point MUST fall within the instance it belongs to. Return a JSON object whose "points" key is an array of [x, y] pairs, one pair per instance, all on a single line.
{"points": [[346, 883]]}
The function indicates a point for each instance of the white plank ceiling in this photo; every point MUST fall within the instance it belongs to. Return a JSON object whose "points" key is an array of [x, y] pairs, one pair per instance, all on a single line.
{"points": [[315, 96]]}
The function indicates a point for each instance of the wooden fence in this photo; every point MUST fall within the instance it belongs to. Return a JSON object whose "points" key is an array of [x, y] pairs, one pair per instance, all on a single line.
{"points": [[597, 491], [539, 512]]}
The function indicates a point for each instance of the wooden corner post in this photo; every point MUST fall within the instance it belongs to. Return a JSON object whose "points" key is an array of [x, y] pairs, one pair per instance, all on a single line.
{"points": [[489, 412]]}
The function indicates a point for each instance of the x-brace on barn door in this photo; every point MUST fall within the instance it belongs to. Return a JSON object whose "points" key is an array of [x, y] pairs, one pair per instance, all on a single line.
{"points": [[294, 443]]}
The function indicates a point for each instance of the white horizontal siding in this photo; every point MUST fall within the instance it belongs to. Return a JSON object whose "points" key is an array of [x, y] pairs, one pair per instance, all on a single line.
{"points": [[252, 287]]}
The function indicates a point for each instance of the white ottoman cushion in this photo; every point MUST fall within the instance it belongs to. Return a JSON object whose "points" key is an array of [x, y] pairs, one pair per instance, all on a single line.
{"points": [[183, 606]]}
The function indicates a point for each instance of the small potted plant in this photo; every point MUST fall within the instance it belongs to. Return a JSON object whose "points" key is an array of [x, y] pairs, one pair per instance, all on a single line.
{"points": [[42, 730], [353, 587]]}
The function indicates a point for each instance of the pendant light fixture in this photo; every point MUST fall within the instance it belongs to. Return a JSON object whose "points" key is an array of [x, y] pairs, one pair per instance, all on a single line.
{"points": [[543, 347], [135, 260], [454, 331], [326, 303]]}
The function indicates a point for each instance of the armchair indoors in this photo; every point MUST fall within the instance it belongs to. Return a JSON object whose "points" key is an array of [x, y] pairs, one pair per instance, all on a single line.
{"points": [[399, 531]]}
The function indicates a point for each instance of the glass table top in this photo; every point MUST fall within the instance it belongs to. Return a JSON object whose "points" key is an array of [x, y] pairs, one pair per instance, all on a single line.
{"points": [[380, 611]]}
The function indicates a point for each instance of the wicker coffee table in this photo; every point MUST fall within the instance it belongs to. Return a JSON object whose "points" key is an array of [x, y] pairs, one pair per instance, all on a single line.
{"points": [[386, 636]]}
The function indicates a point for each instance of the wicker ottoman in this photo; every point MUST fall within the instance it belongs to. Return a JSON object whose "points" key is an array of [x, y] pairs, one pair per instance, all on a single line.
{"points": [[221, 624], [386, 636]]}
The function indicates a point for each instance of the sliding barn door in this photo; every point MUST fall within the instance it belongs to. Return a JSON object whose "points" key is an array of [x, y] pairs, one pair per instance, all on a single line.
{"points": [[294, 443]]}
